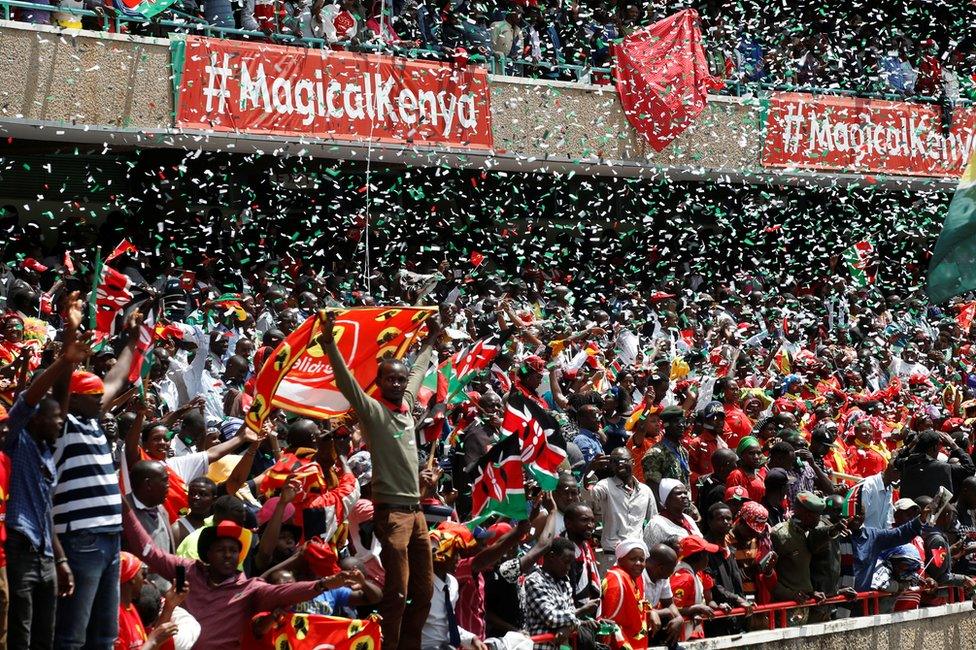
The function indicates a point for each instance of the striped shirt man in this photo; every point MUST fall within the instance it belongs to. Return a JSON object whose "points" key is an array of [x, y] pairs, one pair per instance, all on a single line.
{"points": [[87, 495]]}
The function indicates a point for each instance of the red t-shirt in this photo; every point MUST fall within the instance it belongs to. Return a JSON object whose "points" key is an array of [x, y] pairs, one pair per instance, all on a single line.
{"points": [[131, 633], [755, 484]]}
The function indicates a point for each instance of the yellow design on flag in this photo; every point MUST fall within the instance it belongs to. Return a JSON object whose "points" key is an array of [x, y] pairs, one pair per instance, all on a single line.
{"points": [[298, 376]]}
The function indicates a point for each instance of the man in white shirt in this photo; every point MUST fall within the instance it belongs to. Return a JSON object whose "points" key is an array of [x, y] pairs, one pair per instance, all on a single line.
{"points": [[441, 628], [876, 498], [622, 503]]}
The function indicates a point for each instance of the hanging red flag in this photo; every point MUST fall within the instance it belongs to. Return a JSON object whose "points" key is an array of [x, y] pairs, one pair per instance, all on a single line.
{"points": [[476, 258], [663, 78]]}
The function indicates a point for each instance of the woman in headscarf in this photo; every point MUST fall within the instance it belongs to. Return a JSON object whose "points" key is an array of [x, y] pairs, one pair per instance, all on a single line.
{"points": [[623, 593], [671, 520]]}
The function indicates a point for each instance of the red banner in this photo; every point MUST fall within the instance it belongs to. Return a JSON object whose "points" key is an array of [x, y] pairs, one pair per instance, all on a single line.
{"points": [[866, 135], [298, 376], [311, 632], [662, 77], [227, 85]]}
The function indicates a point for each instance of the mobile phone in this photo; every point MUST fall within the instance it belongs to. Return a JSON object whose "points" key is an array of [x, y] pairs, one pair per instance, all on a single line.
{"points": [[180, 578]]}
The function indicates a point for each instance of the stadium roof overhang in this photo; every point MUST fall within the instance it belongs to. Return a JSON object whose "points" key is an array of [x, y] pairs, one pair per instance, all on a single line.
{"points": [[392, 155]]}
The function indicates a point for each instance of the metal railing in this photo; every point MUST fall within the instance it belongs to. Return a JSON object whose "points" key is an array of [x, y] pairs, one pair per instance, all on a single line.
{"points": [[869, 603], [185, 23]]}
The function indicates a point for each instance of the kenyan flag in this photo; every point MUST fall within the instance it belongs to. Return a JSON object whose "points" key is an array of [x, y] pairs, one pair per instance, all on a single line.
{"points": [[499, 488], [111, 294], [858, 257], [448, 382], [142, 9], [533, 427]]}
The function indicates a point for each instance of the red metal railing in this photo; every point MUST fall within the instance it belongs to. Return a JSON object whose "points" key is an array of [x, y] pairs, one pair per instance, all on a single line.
{"points": [[870, 604]]}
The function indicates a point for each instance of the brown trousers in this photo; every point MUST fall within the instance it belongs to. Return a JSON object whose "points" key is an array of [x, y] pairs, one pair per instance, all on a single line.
{"points": [[409, 583]]}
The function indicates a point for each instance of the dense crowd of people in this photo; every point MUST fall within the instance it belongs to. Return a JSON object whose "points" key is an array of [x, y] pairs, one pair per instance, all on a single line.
{"points": [[860, 51], [729, 442]]}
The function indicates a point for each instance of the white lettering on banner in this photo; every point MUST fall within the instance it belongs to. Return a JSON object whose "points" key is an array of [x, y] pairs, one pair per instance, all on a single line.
{"points": [[253, 91], [311, 366], [217, 82], [817, 134], [370, 96]]}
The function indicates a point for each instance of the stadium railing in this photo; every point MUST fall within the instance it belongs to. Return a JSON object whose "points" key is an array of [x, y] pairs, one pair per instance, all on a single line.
{"points": [[869, 604]]}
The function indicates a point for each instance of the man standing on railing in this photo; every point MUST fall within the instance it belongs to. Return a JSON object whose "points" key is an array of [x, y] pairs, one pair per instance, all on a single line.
{"points": [[388, 425]]}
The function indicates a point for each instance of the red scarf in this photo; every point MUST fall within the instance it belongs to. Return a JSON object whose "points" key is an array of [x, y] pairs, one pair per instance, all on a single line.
{"points": [[530, 394]]}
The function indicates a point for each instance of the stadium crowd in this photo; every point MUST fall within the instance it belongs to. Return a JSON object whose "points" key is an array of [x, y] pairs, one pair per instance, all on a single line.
{"points": [[860, 50], [722, 444]]}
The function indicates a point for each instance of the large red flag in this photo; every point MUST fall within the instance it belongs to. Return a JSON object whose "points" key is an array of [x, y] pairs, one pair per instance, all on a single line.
{"points": [[311, 632], [662, 77], [298, 376]]}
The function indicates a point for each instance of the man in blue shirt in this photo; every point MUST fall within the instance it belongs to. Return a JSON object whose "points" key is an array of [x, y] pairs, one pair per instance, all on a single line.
{"points": [[37, 571], [589, 437], [867, 545]]}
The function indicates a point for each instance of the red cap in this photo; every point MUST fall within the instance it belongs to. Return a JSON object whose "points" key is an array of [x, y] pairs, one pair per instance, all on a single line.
{"points": [[321, 558], [498, 530], [694, 544], [736, 492]]}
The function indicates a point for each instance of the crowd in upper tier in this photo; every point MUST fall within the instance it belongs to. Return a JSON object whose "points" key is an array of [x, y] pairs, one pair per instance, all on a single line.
{"points": [[553, 39]]}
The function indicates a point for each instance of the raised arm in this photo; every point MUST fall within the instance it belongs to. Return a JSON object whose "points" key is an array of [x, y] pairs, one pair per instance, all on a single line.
{"points": [[344, 380], [244, 436], [73, 353], [267, 596], [269, 538], [133, 437], [542, 544], [117, 377], [142, 546]]}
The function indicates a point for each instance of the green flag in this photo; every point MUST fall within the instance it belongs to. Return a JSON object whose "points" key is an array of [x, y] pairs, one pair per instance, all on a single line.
{"points": [[952, 269]]}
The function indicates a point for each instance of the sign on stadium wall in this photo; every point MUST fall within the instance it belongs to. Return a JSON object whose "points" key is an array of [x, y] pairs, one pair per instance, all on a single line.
{"points": [[233, 86], [867, 136]]}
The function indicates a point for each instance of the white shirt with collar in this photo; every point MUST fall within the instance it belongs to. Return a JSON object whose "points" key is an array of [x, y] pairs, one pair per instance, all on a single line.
{"points": [[623, 510], [435, 633], [879, 510]]}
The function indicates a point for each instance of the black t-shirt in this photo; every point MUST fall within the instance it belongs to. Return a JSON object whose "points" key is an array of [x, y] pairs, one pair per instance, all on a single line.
{"points": [[502, 599]]}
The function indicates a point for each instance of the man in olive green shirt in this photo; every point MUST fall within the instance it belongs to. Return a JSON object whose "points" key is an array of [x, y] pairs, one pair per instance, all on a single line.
{"points": [[796, 541], [387, 423]]}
